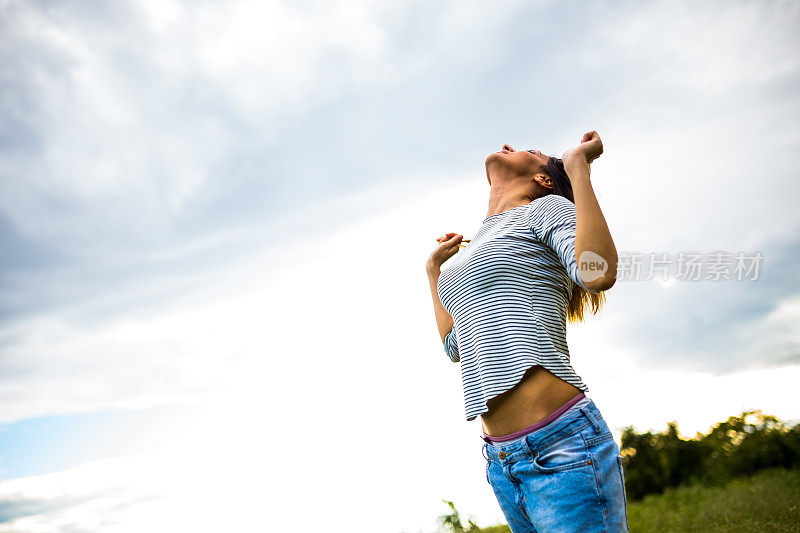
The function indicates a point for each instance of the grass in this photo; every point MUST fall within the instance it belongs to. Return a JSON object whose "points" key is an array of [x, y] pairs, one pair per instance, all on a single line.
{"points": [[768, 501], [765, 502]]}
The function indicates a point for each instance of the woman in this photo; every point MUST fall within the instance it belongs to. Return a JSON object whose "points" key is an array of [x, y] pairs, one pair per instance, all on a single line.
{"points": [[501, 308]]}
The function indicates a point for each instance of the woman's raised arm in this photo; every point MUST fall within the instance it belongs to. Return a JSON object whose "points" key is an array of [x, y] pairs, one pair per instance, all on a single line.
{"points": [[591, 231]]}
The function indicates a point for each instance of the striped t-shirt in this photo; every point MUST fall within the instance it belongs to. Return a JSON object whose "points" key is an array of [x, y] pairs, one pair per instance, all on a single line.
{"points": [[507, 292]]}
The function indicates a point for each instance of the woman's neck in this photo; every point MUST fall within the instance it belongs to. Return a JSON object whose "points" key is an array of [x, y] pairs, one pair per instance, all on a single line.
{"points": [[501, 200]]}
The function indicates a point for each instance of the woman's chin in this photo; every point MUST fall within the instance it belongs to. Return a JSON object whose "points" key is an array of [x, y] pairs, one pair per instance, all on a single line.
{"points": [[493, 158]]}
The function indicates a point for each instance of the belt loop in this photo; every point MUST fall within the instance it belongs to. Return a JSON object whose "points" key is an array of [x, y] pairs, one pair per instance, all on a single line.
{"points": [[525, 446], [592, 418]]}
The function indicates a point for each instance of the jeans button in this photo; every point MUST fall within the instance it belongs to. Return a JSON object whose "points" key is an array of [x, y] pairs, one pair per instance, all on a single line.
{"points": [[502, 455]]}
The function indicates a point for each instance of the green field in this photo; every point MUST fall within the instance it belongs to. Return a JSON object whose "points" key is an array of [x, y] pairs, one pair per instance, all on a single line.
{"points": [[768, 501]]}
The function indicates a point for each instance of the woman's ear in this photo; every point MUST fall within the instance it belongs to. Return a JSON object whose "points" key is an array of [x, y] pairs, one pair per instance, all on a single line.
{"points": [[544, 181]]}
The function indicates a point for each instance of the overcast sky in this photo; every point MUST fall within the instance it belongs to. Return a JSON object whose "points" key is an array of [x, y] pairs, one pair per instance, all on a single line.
{"points": [[214, 219]]}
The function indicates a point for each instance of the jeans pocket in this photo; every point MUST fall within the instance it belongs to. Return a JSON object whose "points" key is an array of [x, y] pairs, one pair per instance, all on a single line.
{"points": [[566, 454]]}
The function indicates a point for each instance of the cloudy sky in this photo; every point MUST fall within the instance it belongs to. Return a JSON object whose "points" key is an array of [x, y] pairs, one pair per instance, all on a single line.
{"points": [[214, 219]]}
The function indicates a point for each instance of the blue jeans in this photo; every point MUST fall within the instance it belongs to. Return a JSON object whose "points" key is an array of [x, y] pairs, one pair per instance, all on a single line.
{"points": [[564, 477]]}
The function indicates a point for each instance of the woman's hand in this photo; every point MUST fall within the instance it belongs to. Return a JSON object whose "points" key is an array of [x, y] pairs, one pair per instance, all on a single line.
{"points": [[448, 246], [590, 148]]}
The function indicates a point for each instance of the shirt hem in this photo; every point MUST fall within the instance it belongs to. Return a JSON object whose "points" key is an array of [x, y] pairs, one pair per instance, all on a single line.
{"points": [[485, 408]]}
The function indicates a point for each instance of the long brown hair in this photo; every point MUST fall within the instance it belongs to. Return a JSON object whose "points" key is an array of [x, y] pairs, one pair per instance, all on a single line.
{"points": [[581, 301]]}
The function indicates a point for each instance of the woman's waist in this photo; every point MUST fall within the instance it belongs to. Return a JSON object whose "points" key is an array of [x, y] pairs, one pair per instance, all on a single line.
{"points": [[538, 395]]}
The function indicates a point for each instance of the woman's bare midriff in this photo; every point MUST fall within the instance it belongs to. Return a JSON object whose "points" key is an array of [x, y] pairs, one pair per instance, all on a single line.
{"points": [[537, 395]]}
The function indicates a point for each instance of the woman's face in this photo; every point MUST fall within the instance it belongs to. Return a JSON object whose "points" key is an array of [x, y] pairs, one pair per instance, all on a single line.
{"points": [[511, 163]]}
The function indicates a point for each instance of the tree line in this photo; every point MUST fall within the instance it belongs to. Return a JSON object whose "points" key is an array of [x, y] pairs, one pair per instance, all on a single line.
{"points": [[740, 446]]}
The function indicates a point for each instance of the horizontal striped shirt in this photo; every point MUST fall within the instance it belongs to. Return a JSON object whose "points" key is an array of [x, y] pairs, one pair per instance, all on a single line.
{"points": [[507, 292]]}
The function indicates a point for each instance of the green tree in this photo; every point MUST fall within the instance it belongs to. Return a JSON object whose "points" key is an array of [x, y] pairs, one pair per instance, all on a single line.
{"points": [[739, 446]]}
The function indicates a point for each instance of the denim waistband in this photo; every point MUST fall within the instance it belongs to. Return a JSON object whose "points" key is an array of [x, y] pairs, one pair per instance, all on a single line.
{"points": [[570, 422]]}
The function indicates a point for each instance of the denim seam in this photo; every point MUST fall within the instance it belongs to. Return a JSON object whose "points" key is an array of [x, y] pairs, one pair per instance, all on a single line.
{"points": [[509, 474], [509, 503], [591, 441], [600, 496], [624, 495], [519, 500]]}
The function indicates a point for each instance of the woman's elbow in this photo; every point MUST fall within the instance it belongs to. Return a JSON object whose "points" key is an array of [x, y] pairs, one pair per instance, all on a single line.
{"points": [[597, 272], [602, 283]]}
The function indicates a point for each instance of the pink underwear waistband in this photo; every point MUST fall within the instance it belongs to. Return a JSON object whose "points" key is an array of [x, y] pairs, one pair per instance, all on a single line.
{"points": [[538, 425]]}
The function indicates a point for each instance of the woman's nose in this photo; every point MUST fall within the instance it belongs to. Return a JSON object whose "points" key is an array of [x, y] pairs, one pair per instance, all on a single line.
{"points": [[507, 147]]}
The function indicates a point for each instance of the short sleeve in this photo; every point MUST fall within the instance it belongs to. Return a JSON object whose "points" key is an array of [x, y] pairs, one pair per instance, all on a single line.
{"points": [[553, 222], [451, 346]]}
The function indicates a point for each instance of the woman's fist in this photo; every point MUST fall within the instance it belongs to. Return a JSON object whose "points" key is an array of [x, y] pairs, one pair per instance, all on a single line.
{"points": [[590, 147], [447, 248]]}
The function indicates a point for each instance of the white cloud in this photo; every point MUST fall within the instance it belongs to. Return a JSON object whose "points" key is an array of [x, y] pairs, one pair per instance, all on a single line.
{"points": [[704, 49], [133, 125]]}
